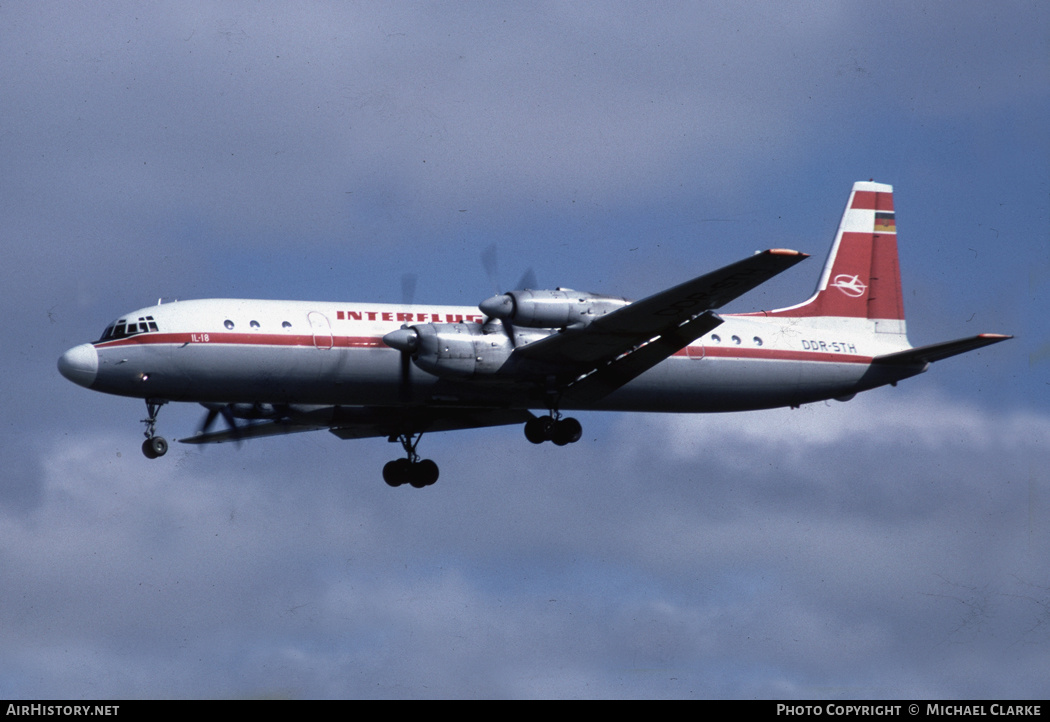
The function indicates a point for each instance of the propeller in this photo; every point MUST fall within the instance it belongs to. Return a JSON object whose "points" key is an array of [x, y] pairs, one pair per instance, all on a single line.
{"points": [[490, 262], [408, 288], [502, 304], [527, 281], [214, 412], [405, 339]]}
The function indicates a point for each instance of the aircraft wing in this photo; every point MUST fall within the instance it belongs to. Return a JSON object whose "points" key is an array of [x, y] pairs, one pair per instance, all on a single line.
{"points": [[654, 327], [369, 422], [416, 420], [613, 374], [939, 351], [250, 431]]}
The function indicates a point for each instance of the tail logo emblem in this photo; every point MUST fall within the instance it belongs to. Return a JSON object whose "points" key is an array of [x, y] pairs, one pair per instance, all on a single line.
{"points": [[852, 286]]}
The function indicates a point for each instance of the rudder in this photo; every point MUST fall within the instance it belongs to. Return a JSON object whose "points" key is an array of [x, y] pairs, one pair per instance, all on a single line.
{"points": [[861, 277]]}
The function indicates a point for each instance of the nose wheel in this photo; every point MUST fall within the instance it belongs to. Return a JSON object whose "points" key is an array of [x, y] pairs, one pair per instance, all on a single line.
{"points": [[154, 446]]}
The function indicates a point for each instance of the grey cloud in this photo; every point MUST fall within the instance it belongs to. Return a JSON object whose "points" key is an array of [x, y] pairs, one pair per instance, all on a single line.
{"points": [[243, 121], [302, 579]]}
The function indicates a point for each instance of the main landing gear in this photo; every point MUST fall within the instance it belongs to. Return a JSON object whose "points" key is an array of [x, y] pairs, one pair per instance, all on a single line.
{"points": [[154, 446], [411, 470], [554, 428]]}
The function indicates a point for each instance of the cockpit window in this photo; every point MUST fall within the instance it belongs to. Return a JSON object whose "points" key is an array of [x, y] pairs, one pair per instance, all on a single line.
{"points": [[124, 328]]}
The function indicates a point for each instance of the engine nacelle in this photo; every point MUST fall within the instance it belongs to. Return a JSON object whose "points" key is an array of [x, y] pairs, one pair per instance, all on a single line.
{"points": [[550, 309], [452, 349]]}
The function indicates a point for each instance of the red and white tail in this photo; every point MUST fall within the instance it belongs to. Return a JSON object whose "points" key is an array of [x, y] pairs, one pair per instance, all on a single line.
{"points": [[861, 278]]}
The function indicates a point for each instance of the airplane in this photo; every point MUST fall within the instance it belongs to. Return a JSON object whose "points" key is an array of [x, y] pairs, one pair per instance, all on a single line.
{"points": [[360, 370]]}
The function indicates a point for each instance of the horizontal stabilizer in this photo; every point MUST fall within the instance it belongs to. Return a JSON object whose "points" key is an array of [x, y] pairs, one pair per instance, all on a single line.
{"points": [[938, 351]]}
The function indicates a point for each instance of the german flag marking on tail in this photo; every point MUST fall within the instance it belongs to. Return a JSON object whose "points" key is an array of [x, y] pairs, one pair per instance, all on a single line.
{"points": [[885, 222]]}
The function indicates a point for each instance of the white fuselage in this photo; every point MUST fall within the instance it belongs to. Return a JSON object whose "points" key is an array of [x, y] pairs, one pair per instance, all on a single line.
{"points": [[259, 351]]}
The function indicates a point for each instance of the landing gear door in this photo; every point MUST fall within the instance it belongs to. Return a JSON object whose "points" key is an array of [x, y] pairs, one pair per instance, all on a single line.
{"points": [[321, 330]]}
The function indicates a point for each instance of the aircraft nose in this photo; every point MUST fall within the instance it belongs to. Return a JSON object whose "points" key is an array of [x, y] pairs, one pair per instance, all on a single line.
{"points": [[79, 364]]}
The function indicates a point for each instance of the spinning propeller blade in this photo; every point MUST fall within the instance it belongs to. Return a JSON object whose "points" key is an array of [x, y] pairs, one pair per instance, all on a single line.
{"points": [[528, 281], [408, 293], [490, 262], [408, 288], [214, 412]]}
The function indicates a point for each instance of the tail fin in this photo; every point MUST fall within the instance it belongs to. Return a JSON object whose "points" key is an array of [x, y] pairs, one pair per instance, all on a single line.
{"points": [[861, 278]]}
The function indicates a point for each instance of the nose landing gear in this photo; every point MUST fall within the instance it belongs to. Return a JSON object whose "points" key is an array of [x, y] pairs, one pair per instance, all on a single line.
{"points": [[154, 446]]}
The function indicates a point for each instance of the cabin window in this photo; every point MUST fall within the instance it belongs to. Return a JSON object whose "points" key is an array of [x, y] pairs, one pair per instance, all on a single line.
{"points": [[736, 340], [757, 340], [716, 338], [254, 324], [228, 324], [286, 324]]}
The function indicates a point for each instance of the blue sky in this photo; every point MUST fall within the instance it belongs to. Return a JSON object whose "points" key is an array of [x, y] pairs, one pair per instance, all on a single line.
{"points": [[893, 546]]}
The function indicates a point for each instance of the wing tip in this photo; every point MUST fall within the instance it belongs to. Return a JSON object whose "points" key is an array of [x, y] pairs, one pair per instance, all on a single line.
{"points": [[786, 252]]}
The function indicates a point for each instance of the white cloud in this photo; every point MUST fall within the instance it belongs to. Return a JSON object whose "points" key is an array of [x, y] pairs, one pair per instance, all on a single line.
{"points": [[902, 419]]}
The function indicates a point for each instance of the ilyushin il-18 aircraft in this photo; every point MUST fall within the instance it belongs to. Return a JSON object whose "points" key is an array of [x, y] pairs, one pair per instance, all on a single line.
{"points": [[361, 370]]}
